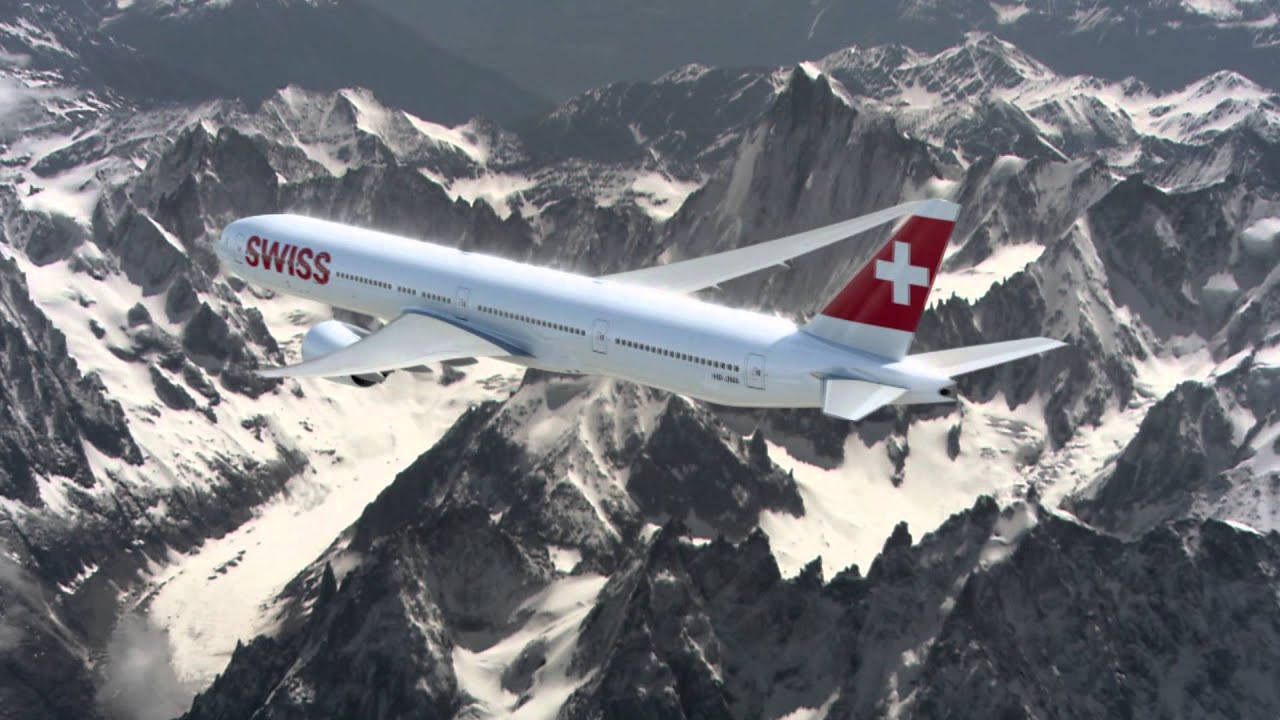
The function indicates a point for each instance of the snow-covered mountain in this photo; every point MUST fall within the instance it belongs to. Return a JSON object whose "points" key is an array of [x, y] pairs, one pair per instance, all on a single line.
{"points": [[247, 49], [562, 47], [153, 51], [579, 547]]}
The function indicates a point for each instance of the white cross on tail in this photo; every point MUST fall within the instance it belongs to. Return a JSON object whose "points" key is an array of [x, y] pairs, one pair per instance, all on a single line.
{"points": [[902, 273]]}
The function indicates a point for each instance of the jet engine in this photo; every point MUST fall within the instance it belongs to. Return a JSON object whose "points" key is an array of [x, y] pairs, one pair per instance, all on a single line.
{"points": [[332, 335]]}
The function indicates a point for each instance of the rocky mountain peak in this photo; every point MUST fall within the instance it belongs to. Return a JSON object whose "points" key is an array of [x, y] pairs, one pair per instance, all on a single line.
{"points": [[584, 464]]}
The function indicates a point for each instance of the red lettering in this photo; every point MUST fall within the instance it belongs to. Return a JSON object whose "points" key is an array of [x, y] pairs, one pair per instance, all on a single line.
{"points": [[303, 269], [301, 262], [274, 251], [322, 268], [251, 250]]}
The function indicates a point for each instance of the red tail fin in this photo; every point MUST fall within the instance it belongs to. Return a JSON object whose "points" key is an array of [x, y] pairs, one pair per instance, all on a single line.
{"points": [[879, 309]]}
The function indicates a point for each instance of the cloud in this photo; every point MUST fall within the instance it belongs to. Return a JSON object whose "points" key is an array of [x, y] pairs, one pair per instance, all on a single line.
{"points": [[138, 678], [14, 60], [21, 603], [16, 98]]}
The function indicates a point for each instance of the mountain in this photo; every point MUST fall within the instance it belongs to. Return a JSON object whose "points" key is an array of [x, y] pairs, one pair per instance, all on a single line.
{"points": [[565, 47], [495, 543], [563, 477], [157, 51], [973, 616]]}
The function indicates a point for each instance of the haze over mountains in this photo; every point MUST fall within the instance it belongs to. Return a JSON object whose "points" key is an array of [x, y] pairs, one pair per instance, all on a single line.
{"points": [[563, 47], [1088, 534]]}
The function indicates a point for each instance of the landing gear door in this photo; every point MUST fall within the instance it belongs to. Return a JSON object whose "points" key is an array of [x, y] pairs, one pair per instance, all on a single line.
{"points": [[600, 337], [755, 371]]}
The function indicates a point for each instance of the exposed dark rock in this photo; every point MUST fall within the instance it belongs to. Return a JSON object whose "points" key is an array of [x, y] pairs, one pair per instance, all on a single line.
{"points": [[1184, 442], [181, 301], [386, 649], [47, 406], [138, 315], [450, 375], [240, 690], [1202, 585], [103, 422], [953, 441], [211, 344], [152, 339], [36, 654], [196, 380], [169, 392], [52, 238], [519, 676], [725, 490], [207, 339], [758, 451], [898, 449], [147, 257]]}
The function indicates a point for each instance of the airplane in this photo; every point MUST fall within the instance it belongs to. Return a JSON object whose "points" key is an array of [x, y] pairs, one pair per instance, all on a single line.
{"points": [[442, 304]]}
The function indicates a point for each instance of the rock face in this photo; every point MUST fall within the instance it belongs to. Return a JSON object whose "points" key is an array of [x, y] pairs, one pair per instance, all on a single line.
{"points": [[49, 408], [984, 612], [1191, 584], [375, 650], [40, 653], [585, 463], [451, 555], [1195, 454]]}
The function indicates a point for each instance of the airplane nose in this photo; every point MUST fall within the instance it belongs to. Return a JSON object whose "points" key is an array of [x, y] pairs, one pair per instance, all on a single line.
{"points": [[230, 244]]}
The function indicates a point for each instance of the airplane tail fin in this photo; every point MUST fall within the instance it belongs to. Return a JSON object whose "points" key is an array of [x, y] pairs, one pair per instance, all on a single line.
{"points": [[879, 309]]}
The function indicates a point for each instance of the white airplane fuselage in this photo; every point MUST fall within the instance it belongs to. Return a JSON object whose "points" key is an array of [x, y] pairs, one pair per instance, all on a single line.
{"points": [[565, 322]]}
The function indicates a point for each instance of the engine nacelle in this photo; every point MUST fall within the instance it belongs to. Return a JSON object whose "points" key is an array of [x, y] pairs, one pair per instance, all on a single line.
{"points": [[332, 335]]}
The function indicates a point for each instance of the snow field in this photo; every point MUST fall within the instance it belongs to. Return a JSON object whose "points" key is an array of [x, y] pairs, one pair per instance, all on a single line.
{"points": [[555, 618], [356, 440]]}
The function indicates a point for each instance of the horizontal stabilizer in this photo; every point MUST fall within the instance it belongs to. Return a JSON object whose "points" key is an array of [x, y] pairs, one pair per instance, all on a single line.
{"points": [[688, 276], [856, 399], [414, 338], [959, 361]]}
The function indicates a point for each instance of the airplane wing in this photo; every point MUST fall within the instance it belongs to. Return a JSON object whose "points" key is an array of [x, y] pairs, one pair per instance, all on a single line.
{"points": [[690, 275], [413, 338]]}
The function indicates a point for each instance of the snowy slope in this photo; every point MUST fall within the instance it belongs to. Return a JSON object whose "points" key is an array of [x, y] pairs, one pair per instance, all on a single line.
{"points": [[937, 95], [221, 593], [345, 469]]}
